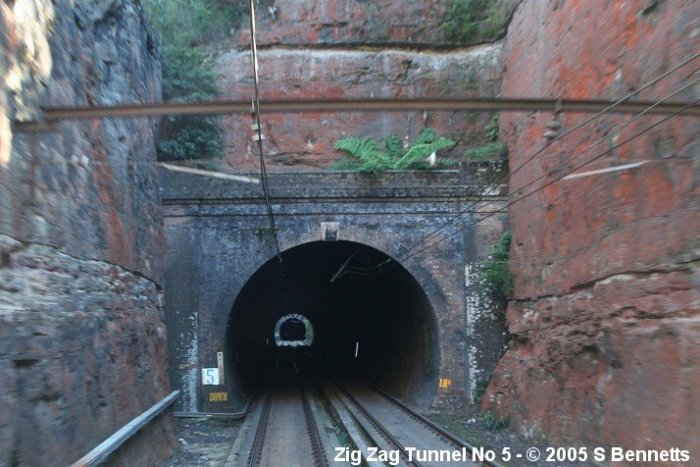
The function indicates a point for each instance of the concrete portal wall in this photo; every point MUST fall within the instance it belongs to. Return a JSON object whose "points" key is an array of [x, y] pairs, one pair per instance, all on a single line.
{"points": [[217, 237]]}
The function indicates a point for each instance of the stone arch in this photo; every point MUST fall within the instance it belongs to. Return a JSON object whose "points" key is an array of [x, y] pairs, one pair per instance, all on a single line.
{"points": [[415, 374]]}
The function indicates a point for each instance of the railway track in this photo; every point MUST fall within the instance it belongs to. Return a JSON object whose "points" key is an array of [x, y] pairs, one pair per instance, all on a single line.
{"points": [[286, 430], [360, 424], [415, 440]]}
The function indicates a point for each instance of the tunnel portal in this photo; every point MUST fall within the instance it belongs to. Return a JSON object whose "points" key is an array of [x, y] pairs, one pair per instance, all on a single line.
{"points": [[373, 324], [422, 329]]}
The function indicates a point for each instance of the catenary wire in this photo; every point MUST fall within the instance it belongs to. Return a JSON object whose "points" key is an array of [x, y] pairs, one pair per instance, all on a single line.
{"points": [[617, 129], [502, 209], [549, 143], [256, 111], [551, 182]]}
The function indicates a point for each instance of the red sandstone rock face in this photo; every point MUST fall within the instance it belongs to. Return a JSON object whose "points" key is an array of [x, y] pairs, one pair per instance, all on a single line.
{"points": [[352, 49], [325, 22], [597, 226], [307, 139], [608, 365], [606, 316]]}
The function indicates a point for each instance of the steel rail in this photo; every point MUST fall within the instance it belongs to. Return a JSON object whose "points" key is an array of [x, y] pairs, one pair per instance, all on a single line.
{"points": [[256, 450], [317, 451], [52, 115], [427, 422], [378, 426]]}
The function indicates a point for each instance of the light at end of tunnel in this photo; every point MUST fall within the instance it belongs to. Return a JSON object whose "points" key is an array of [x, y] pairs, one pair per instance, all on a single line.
{"points": [[357, 348], [293, 330]]}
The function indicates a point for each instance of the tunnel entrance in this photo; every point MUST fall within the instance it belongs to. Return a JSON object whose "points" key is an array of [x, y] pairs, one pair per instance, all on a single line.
{"points": [[370, 324]]}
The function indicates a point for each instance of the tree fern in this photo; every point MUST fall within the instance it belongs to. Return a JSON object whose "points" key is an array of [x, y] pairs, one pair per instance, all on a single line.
{"points": [[428, 135], [394, 146], [418, 153], [364, 154]]}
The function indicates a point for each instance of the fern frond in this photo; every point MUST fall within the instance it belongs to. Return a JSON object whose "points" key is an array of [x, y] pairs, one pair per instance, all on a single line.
{"points": [[354, 145], [419, 152], [428, 135], [366, 153], [394, 146]]}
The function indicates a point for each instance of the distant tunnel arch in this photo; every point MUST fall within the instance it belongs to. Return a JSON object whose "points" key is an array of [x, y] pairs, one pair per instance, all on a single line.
{"points": [[378, 326], [294, 330]]}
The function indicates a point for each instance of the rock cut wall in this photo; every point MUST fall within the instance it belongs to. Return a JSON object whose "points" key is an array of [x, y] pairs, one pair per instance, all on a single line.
{"points": [[606, 314], [82, 339], [345, 49]]}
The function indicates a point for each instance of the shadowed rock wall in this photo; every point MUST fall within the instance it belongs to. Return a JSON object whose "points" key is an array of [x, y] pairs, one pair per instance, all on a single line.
{"points": [[605, 320], [82, 339]]}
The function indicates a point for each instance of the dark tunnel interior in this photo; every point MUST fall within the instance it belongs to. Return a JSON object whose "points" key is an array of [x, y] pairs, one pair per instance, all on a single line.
{"points": [[293, 330], [377, 326]]}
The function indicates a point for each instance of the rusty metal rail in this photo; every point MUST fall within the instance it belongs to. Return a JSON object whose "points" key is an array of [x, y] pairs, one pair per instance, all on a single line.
{"points": [[51, 116], [256, 451], [111, 444], [317, 451]]}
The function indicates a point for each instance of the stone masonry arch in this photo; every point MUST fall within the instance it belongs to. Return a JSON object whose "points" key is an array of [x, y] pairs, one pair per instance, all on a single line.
{"points": [[217, 237]]}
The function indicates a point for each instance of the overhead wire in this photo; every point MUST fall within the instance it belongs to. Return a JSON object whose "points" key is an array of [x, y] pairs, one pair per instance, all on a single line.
{"points": [[549, 183], [530, 158], [258, 128], [616, 129]]}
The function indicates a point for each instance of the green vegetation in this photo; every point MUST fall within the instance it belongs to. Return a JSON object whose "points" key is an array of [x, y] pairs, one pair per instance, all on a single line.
{"points": [[487, 151], [494, 423], [494, 149], [480, 390], [184, 26], [495, 273], [188, 76], [491, 128], [194, 22], [475, 21], [365, 155], [455, 420]]}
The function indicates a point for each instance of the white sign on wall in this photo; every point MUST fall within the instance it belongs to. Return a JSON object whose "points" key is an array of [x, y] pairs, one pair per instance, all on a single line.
{"points": [[210, 376], [220, 364]]}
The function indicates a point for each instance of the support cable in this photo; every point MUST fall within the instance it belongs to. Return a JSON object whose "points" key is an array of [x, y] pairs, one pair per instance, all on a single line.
{"points": [[566, 163], [54, 115], [530, 158], [256, 112], [616, 129], [551, 182]]}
